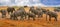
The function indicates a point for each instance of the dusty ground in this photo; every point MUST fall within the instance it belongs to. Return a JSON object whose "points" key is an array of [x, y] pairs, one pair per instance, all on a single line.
{"points": [[41, 22]]}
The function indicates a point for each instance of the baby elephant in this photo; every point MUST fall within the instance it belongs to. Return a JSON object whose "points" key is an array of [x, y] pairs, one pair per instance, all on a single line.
{"points": [[31, 15], [3, 12]]}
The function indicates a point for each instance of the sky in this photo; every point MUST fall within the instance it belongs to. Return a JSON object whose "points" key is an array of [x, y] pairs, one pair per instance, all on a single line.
{"points": [[30, 2], [51, 2]]}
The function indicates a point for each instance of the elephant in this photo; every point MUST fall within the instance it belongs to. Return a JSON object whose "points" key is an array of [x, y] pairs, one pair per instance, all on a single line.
{"points": [[18, 13], [10, 10], [3, 12], [57, 10], [36, 12], [31, 15], [51, 14]]}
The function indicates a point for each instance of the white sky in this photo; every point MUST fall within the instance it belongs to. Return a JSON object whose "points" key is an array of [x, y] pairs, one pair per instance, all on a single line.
{"points": [[21, 2]]}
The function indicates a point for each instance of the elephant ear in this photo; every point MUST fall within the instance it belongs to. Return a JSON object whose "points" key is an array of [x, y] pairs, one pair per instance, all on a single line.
{"points": [[13, 9]]}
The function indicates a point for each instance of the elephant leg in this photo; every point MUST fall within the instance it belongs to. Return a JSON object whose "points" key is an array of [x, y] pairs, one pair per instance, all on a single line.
{"points": [[49, 18], [2, 16], [21, 18], [33, 18], [5, 15], [28, 18], [38, 16], [41, 15], [11, 17], [11, 11], [16, 18], [55, 18], [8, 12], [25, 16]]}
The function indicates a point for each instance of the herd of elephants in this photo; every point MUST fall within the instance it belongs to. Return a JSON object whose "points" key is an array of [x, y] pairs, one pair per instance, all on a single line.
{"points": [[33, 13]]}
